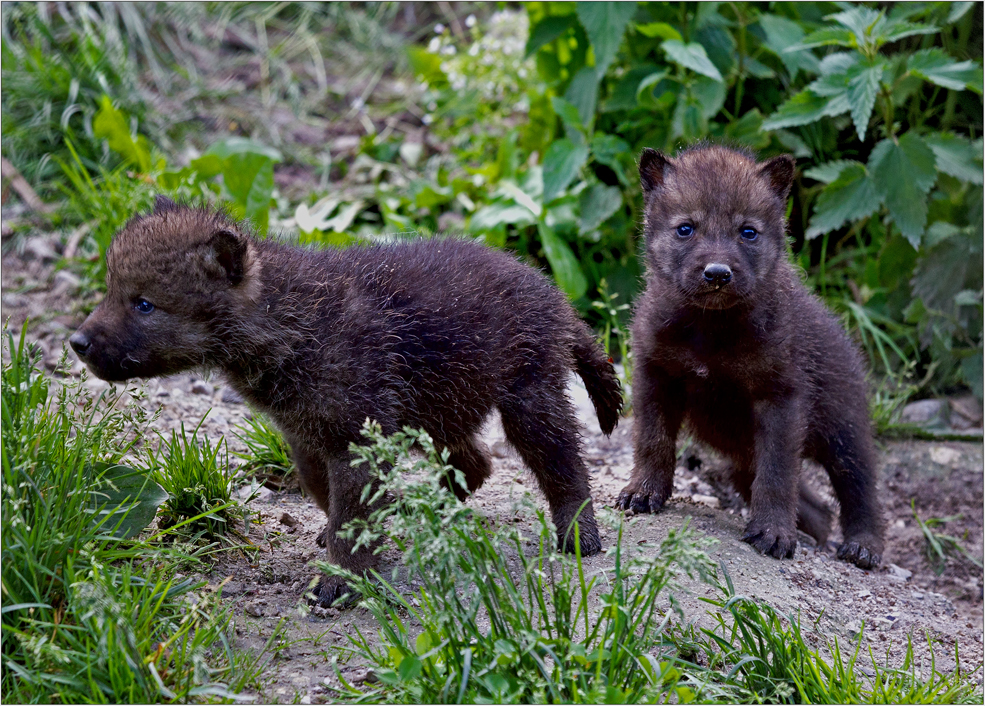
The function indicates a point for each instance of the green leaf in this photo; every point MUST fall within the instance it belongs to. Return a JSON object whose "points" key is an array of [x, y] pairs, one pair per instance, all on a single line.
{"points": [[893, 32], [862, 90], [410, 668], [564, 264], [758, 69], [596, 205], [546, 31], [781, 34], [748, 130], [824, 37], [861, 21], [207, 166], [561, 164], [971, 370], [936, 66], [939, 232], [605, 23], [111, 125], [956, 156], [249, 179], [829, 171], [804, 108], [607, 150], [623, 95], [128, 494], [242, 145], [691, 56], [848, 198], [903, 173], [500, 213], [659, 29], [426, 65], [958, 9], [583, 92], [710, 95]]}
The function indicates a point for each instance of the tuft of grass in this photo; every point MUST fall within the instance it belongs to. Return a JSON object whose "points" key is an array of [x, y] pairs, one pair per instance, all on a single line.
{"points": [[498, 616], [88, 615], [755, 656], [268, 457], [940, 548], [195, 474]]}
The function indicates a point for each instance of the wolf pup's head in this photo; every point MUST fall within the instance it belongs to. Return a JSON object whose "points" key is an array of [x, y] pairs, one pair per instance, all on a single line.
{"points": [[172, 278], [714, 223]]}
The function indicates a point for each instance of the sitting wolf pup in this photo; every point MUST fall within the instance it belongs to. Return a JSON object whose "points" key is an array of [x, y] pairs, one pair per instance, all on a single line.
{"points": [[430, 334], [727, 338]]}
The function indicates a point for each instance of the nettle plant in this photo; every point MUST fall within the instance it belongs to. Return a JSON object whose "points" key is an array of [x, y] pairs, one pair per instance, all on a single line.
{"points": [[915, 204]]}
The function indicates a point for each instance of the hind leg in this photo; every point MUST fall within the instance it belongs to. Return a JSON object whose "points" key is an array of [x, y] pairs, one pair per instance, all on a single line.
{"points": [[813, 515], [469, 456], [540, 424], [850, 462]]}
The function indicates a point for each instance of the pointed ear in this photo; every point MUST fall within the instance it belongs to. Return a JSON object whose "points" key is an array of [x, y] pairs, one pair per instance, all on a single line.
{"points": [[653, 165], [229, 252], [778, 173], [163, 204]]}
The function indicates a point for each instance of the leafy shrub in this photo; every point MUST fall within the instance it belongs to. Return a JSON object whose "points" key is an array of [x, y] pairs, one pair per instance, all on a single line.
{"points": [[882, 107]]}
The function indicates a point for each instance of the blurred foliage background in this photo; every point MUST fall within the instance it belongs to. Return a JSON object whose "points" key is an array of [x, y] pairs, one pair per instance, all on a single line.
{"points": [[520, 124]]}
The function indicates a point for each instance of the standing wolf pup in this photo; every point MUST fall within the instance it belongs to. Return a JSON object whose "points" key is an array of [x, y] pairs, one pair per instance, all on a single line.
{"points": [[430, 334], [728, 338]]}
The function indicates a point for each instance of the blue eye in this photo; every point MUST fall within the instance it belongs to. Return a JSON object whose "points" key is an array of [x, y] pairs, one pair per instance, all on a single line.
{"points": [[749, 233], [684, 230], [143, 306]]}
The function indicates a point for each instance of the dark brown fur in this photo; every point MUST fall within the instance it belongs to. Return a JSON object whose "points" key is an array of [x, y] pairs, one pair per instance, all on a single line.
{"points": [[431, 334], [756, 365]]}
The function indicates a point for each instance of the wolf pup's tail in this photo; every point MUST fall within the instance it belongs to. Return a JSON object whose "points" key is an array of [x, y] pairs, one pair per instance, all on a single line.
{"points": [[599, 376]]}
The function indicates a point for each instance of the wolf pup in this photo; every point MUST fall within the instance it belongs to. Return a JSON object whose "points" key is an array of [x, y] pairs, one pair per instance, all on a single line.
{"points": [[727, 338], [430, 334]]}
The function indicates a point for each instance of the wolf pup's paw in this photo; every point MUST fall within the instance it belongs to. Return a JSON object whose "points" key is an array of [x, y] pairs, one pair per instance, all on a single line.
{"points": [[861, 553], [642, 498], [322, 539], [774, 541], [331, 590], [589, 540]]}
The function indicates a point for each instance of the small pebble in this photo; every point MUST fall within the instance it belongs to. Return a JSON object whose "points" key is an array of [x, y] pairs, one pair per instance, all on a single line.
{"points": [[200, 387]]}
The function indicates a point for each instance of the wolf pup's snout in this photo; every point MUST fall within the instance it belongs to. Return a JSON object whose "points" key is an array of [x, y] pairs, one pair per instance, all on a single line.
{"points": [[717, 273], [80, 343]]}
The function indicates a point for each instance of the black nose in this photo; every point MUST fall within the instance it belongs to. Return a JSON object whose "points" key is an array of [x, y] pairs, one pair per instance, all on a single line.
{"points": [[717, 273], [80, 343]]}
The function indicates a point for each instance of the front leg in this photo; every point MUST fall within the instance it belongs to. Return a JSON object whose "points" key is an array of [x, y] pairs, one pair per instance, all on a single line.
{"points": [[336, 487], [775, 491], [659, 403]]}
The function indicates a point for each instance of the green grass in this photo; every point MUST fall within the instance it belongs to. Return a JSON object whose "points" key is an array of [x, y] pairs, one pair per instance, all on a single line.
{"points": [[195, 473], [496, 616], [267, 456], [89, 615], [941, 549]]}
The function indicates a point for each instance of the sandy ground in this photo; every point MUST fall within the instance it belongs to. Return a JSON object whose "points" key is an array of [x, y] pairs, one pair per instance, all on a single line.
{"points": [[903, 597]]}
